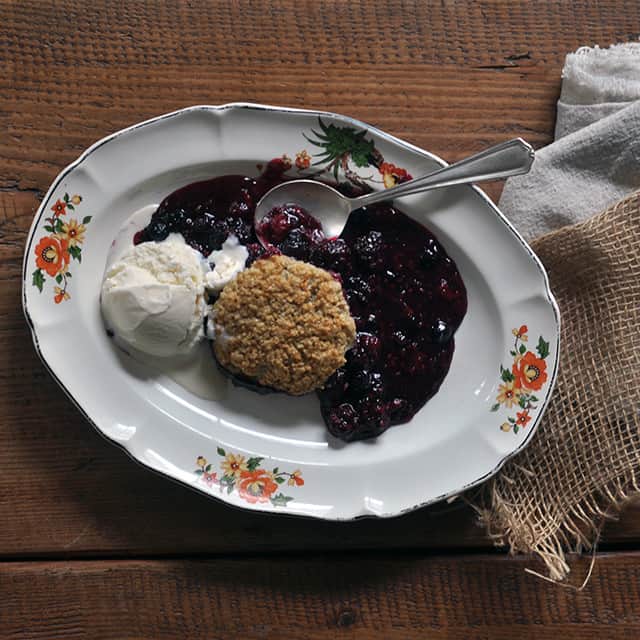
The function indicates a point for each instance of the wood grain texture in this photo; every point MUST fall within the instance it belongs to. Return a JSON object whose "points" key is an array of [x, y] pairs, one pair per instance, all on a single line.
{"points": [[277, 33], [365, 597], [452, 77]]}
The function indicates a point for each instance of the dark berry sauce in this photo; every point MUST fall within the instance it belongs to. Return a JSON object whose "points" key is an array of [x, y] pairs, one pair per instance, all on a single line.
{"points": [[405, 294]]}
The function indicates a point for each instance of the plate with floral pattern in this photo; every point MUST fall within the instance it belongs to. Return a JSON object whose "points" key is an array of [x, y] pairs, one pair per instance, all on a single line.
{"points": [[273, 453]]}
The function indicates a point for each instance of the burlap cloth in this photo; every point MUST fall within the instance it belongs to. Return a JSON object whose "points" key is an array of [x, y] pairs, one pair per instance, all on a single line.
{"points": [[584, 461]]}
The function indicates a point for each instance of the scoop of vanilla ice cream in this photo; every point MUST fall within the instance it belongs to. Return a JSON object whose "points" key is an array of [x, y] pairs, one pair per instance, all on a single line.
{"points": [[153, 297]]}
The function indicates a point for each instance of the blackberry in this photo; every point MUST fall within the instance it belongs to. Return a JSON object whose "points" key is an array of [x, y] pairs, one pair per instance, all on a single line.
{"points": [[359, 289], [374, 419], [399, 410], [368, 249], [334, 255], [239, 228], [296, 245], [343, 421]]}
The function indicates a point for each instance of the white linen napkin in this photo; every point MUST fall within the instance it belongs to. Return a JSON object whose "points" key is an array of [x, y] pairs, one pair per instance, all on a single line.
{"points": [[595, 158]]}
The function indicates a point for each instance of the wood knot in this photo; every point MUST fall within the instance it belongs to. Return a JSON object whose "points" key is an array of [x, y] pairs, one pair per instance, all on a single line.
{"points": [[346, 618]]}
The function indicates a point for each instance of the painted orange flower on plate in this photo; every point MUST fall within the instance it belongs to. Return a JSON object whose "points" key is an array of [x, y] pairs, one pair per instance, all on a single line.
{"points": [[55, 251], [52, 255], [59, 295], [254, 483], [522, 418], [59, 208], [530, 372], [295, 479], [256, 486]]}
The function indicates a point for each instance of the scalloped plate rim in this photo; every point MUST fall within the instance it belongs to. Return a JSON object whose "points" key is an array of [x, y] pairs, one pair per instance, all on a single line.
{"points": [[357, 513]]}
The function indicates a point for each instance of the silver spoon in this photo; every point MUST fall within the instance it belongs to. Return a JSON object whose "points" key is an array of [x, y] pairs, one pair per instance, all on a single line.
{"points": [[332, 209]]}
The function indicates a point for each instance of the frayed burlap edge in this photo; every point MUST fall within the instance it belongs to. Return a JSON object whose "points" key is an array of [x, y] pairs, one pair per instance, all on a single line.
{"points": [[583, 464], [578, 532]]}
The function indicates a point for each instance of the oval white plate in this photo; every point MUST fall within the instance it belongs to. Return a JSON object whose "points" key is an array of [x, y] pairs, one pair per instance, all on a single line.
{"points": [[272, 453]]}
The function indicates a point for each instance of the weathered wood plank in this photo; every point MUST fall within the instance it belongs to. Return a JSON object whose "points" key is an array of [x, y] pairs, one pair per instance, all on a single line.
{"points": [[362, 597]]}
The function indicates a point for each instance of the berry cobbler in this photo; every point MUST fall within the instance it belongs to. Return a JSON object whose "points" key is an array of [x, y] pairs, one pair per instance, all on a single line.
{"points": [[404, 293]]}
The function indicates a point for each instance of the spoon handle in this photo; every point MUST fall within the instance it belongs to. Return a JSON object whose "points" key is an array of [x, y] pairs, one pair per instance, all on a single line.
{"points": [[501, 161]]}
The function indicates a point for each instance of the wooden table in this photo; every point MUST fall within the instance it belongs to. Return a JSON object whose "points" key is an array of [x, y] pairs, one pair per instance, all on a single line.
{"points": [[93, 546]]}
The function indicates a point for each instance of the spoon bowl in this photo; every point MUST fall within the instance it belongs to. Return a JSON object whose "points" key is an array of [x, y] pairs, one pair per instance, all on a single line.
{"points": [[331, 209], [326, 204]]}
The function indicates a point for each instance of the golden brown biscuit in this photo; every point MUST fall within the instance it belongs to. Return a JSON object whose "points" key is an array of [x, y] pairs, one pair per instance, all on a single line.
{"points": [[283, 323]]}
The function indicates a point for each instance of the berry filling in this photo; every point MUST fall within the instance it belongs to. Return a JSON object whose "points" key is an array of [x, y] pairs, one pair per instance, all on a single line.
{"points": [[405, 294]]}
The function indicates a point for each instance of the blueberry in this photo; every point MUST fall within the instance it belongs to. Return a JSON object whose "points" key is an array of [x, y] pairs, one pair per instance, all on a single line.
{"points": [[158, 231], [360, 381], [430, 254], [441, 332]]}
